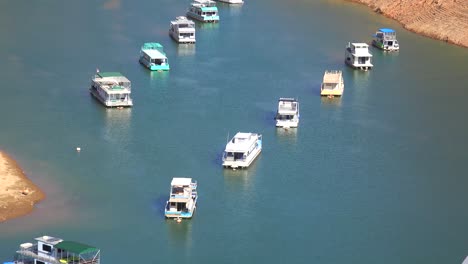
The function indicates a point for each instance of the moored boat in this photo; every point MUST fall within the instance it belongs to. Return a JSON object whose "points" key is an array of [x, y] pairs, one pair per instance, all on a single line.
{"points": [[152, 56], [52, 250], [242, 150], [182, 199], [288, 113], [231, 1], [182, 30], [204, 11], [112, 89], [385, 39], [357, 55], [332, 84]]}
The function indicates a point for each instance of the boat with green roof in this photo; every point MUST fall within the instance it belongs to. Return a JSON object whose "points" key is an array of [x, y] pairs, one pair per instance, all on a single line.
{"points": [[112, 89], [52, 250], [204, 11], [152, 56]]}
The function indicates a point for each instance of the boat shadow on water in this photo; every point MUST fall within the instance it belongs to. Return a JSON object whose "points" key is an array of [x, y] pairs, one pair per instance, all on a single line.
{"points": [[159, 204]]}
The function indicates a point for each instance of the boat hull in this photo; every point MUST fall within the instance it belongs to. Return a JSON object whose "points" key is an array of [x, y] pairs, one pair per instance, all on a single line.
{"points": [[287, 124], [181, 40], [232, 1], [206, 19], [381, 46], [234, 164], [109, 103], [154, 67], [180, 214]]}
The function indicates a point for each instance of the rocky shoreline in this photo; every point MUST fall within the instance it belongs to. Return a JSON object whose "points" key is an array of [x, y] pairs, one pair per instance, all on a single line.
{"points": [[445, 20], [18, 194]]}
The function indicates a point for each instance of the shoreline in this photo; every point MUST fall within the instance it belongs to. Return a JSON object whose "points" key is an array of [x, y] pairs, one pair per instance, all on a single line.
{"points": [[18, 194], [445, 20]]}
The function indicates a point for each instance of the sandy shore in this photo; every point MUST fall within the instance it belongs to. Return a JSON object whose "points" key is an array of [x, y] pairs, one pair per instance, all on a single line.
{"points": [[445, 20], [17, 193]]}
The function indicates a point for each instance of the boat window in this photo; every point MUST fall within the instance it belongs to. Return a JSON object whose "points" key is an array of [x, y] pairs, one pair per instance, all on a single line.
{"points": [[173, 204], [238, 155], [46, 248]]}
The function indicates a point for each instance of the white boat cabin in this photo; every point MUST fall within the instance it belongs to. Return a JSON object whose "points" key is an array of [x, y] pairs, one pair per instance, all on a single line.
{"points": [[183, 198], [357, 55], [112, 89], [182, 30], [242, 150], [288, 113]]}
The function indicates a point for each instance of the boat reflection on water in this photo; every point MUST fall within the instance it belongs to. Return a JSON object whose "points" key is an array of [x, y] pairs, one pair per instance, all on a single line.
{"points": [[206, 25], [180, 233], [288, 135], [186, 49], [117, 125], [334, 101], [242, 178], [232, 9]]}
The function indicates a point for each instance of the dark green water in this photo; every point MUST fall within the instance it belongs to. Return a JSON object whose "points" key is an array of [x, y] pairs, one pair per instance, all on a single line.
{"points": [[378, 176]]}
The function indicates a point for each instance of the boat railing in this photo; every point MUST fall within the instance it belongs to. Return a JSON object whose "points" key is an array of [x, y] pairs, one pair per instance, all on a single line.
{"points": [[32, 253]]}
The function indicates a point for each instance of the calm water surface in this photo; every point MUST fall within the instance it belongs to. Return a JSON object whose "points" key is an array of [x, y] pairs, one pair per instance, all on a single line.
{"points": [[378, 176]]}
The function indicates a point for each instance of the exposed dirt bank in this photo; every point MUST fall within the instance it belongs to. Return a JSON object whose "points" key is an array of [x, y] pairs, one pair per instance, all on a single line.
{"points": [[445, 20], [17, 193]]}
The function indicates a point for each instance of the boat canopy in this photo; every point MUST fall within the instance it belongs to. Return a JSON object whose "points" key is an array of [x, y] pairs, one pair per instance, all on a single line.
{"points": [[109, 74], [241, 142], [387, 30], [75, 247], [154, 54], [181, 181]]}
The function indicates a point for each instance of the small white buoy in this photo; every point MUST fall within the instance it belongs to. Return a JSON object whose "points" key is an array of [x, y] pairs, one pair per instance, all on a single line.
{"points": [[78, 149], [178, 220]]}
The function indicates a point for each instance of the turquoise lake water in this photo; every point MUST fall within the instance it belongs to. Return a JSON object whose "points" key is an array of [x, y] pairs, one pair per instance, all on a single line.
{"points": [[377, 176]]}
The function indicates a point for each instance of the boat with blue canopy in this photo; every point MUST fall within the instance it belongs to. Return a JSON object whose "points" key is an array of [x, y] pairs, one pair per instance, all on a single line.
{"points": [[152, 56], [204, 11], [385, 38]]}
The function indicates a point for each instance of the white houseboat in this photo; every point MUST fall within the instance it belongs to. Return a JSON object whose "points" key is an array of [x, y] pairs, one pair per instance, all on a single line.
{"points": [[204, 11], [288, 113], [231, 1], [152, 56], [182, 30], [242, 150], [52, 250], [183, 198], [385, 38], [332, 84], [358, 56], [112, 89]]}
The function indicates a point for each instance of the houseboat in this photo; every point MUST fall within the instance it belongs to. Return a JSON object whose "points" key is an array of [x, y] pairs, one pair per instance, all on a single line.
{"points": [[358, 56], [182, 30], [52, 250], [231, 1], [204, 11], [112, 89], [385, 38], [332, 84], [288, 113], [182, 200], [152, 56], [242, 150]]}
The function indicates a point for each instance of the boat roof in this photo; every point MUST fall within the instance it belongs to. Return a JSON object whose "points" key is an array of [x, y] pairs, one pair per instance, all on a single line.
{"points": [[181, 181], [154, 54], [284, 99], [49, 240], [109, 74], [182, 19], [241, 142], [114, 77], [386, 30], [364, 45], [75, 247], [332, 77]]}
